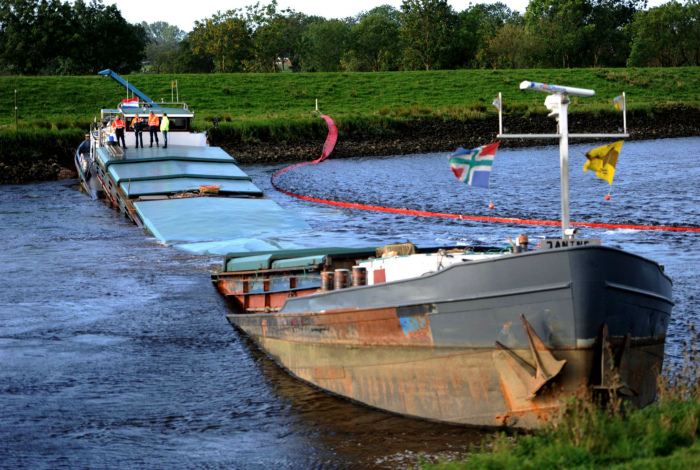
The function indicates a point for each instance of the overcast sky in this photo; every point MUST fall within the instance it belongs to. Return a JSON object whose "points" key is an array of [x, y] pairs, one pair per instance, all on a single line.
{"points": [[185, 13]]}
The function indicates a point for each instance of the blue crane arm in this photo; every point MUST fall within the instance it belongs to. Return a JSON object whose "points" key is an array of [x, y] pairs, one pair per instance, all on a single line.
{"points": [[113, 75]]}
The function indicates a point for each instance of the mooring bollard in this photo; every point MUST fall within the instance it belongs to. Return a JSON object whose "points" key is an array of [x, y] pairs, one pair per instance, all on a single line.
{"points": [[359, 276], [341, 278], [327, 281]]}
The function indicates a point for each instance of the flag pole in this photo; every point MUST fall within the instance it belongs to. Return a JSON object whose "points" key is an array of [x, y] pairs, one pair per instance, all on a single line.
{"points": [[624, 113], [564, 162], [500, 114]]}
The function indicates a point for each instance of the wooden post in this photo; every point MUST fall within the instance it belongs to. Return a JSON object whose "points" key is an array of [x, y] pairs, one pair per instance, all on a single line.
{"points": [[16, 123]]}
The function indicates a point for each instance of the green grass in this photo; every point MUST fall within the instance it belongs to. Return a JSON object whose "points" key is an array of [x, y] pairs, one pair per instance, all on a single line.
{"points": [[59, 102], [593, 439], [300, 130]]}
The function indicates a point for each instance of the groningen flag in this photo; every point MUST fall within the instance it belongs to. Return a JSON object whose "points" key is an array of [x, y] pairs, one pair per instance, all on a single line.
{"points": [[474, 166], [602, 160]]}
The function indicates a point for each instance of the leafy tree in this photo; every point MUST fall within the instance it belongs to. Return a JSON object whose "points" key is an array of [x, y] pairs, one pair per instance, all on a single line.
{"points": [[513, 48], [375, 42], [562, 28], [161, 33], [267, 41], [225, 36], [609, 44], [582, 33], [324, 44], [32, 33], [186, 61], [276, 36], [475, 27], [102, 39], [297, 23], [47, 36], [666, 36], [163, 40], [427, 29]]}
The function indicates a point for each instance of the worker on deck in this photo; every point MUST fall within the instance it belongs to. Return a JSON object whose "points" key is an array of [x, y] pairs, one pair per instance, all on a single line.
{"points": [[137, 125], [84, 147], [153, 125], [119, 125], [164, 128]]}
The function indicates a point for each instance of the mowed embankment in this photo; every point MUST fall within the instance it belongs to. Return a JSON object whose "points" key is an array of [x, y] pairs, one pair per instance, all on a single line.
{"points": [[270, 118]]}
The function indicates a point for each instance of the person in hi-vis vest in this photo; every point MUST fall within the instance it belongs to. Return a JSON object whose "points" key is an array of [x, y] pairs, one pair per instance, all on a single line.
{"points": [[164, 128], [153, 126], [118, 124]]}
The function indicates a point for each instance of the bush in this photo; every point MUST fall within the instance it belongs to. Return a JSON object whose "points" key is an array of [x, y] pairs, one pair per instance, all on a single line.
{"points": [[32, 155]]}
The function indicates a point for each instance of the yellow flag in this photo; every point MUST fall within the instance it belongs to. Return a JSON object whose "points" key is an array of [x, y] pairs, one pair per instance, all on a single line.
{"points": [[619, 103], [602, 160]]}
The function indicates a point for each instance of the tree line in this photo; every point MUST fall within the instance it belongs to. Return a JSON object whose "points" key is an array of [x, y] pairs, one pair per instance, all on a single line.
{"points": [[51, 37]]}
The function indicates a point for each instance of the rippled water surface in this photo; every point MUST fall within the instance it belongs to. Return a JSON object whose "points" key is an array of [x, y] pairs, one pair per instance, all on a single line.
{"points": [[115, 351]]}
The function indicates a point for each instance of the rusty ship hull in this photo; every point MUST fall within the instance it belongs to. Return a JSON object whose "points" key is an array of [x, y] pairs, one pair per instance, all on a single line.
{"points": [[498, 342]]}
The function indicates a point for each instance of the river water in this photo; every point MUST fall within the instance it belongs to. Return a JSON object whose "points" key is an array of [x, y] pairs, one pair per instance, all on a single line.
{"points": [[115, 351]]}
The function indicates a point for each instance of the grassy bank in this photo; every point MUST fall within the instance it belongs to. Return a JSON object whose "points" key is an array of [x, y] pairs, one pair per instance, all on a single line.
{"points": [[664, 435], [60, 102], [269, 117]]}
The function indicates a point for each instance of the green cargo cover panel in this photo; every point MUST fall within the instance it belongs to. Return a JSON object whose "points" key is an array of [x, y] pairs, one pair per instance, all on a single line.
{"points": [[201, 219], [176, 152], [285, 253], [239, 244], [293, 262], [175, 169], [251, 263], [135, 189]]}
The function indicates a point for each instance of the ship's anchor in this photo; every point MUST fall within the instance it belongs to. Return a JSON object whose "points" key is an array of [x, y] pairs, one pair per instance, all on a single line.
{"points": [[614, 378], [546, 367]]}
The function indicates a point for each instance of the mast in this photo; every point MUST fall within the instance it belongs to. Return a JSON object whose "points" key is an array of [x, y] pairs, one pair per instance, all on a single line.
{"points": [[564, 160], [558, 103]]}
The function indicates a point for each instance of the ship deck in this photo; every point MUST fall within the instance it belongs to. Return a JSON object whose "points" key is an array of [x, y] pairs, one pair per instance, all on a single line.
{"points": [[160, 188]]}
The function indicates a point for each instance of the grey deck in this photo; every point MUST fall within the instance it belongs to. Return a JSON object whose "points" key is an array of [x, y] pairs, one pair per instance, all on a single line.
{"points": [[201, 219]]}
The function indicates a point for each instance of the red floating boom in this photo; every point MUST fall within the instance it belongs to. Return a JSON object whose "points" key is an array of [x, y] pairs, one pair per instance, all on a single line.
{"points": [[330, 144], [328, 147]]}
